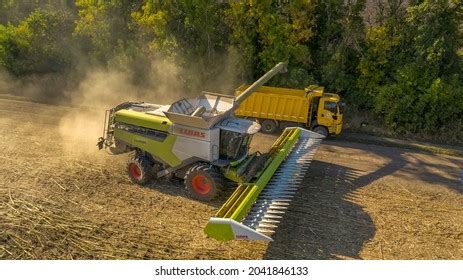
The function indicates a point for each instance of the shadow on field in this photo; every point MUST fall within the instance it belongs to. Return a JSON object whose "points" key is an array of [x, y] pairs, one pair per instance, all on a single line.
{"points": [[324, 223], [446, 171], [320, 223]]}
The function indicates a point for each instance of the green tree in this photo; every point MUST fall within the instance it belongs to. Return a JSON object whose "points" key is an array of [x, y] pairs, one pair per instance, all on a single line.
{"points": [[42, 43], [377, 63], [338, 43], [411, 70], [267, 32], [15, 11], [107, 32], [190, 33]]}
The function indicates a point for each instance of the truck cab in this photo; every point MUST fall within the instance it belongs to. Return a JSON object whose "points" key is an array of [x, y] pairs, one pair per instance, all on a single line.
{"points": [[328, 114]]}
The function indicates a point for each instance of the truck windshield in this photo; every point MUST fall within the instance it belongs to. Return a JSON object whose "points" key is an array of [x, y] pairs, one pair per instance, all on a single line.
{"points": [[331, 106]]}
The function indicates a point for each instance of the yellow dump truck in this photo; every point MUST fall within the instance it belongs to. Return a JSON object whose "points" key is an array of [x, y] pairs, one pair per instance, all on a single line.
{"points": [[278, 108]]}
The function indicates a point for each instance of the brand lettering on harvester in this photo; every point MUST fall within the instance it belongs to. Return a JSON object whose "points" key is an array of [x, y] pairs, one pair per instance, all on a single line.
{"points": [[193, 133]]}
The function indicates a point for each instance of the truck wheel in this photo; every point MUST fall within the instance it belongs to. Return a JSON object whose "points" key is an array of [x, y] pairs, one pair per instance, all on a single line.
{"points": [[321, 130], [269, 126], [204, 181], [139, 169]]}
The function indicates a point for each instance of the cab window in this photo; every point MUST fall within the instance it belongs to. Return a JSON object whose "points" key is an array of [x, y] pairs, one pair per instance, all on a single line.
{"points": [[331, 106]]}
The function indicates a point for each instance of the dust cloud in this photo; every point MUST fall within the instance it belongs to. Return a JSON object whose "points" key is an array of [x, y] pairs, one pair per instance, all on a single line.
{"points": [[47, 88], [89, 91], [102, 89]]}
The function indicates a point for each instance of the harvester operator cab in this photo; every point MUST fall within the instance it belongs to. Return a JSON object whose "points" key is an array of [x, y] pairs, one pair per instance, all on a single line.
{"points": [[235, 137]]}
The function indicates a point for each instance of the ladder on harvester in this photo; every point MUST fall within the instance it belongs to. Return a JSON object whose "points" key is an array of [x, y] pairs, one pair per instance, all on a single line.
{"points": [[255, 209]]}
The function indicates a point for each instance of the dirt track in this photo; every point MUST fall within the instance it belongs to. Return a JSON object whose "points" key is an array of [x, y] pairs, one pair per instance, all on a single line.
{"points": [[60, 199]]}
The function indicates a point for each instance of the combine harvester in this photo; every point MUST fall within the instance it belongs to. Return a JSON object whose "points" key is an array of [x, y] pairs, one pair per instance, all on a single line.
{"points": [[200, 140]]}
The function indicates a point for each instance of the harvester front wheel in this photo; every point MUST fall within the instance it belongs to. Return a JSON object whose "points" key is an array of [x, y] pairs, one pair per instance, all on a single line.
{"points": [[204, 182], [139, 169]]}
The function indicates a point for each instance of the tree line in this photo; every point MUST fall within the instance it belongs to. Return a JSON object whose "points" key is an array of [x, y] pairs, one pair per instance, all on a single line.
{"points": [[400, 60]]}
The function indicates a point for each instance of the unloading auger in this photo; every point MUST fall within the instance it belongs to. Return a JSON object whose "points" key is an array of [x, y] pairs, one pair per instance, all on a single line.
{"points": [[199, 140]]}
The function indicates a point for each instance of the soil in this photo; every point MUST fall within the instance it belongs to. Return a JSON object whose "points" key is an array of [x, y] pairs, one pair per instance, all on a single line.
{"points": [[61, 198]]}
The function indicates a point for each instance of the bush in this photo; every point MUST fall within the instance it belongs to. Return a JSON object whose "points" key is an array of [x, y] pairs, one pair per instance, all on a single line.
{"points": [[42, 43], [409, 106]]}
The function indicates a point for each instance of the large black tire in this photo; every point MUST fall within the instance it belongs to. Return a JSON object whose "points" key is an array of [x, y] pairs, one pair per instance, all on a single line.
{"points": [[269, 126], [204, 182], [140, 169], [321, 130]]}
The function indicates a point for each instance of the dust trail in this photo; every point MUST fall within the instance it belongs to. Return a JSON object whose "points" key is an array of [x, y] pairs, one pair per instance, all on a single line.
{"points": [[89, 91], [229, 76], [7, 84], [46, 88], [103, 89]]}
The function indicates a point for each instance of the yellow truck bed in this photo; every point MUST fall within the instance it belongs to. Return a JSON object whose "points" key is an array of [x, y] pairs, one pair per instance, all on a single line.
{"points": [[282, 104]]}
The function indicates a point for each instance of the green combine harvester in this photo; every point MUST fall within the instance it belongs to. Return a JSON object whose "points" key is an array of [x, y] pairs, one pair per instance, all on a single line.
{"points": [[201, 141]]}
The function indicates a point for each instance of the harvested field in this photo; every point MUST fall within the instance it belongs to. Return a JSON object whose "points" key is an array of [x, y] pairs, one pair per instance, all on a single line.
{"points": [[60, 198]]}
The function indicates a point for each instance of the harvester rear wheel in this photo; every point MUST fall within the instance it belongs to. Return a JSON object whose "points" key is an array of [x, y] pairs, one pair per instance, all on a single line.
{"points": [[204, 182], [139, 169]]}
